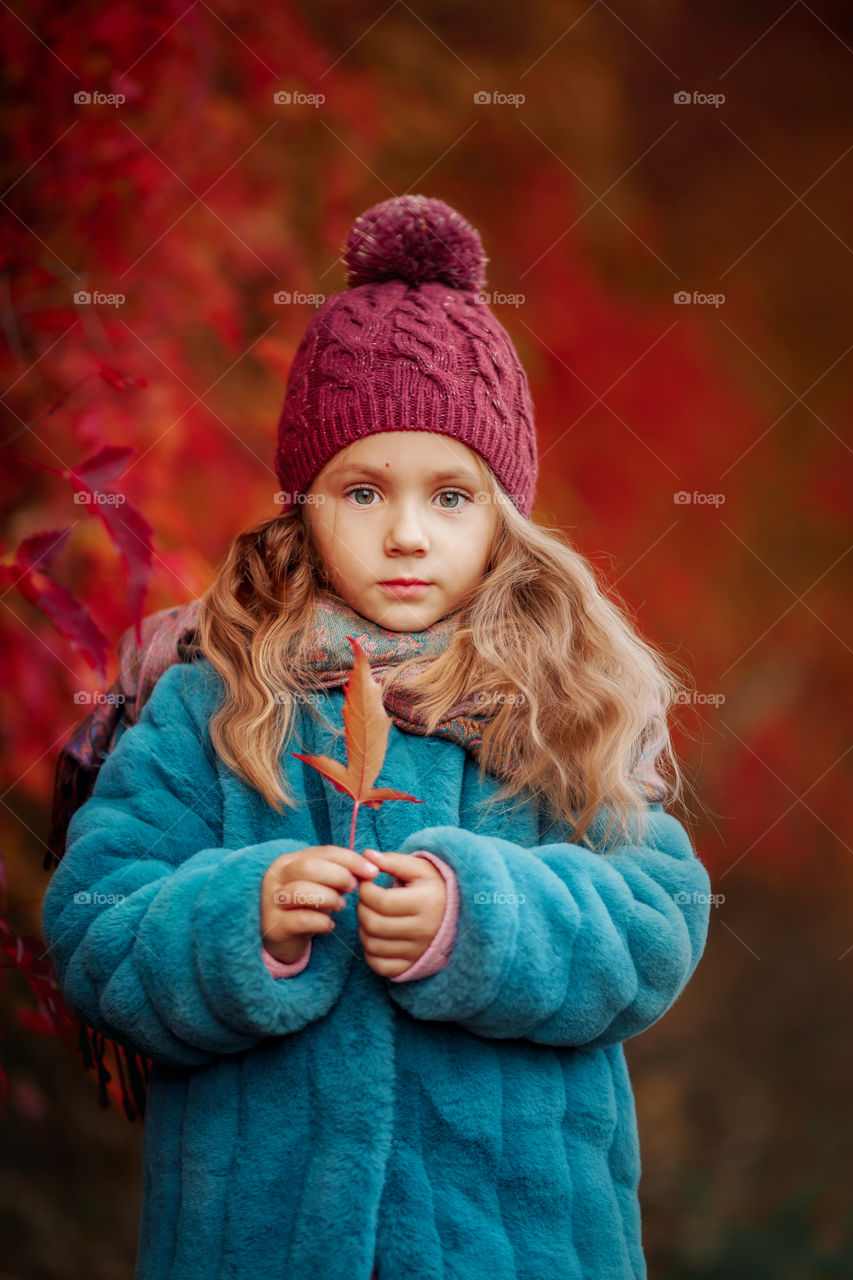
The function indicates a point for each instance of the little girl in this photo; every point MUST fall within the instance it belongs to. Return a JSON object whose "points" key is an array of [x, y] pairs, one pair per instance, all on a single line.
{"points": [[405, 1060]]}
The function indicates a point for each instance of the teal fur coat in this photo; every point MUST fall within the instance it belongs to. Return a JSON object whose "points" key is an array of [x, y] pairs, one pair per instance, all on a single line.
{"points": [[476, 1124]]}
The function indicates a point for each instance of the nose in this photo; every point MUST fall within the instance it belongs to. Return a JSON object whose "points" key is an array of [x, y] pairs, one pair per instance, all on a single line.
{"points": [[406, 532]]}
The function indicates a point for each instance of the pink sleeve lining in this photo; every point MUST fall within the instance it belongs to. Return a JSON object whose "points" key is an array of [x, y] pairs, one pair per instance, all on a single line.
{"points": [[438, 952], [279, 969]]}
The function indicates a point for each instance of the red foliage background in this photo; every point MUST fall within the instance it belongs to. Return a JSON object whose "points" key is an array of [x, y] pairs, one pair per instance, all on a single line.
{"points": [[199, 197]]}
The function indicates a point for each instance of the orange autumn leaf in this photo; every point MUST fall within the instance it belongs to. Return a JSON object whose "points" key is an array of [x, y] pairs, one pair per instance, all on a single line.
{"points": [[366, 724]]}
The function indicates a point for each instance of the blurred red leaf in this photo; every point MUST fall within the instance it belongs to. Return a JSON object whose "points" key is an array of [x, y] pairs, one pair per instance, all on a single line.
{"points": [[41, 548], [97, 471], [129, 531], [70, 617]]}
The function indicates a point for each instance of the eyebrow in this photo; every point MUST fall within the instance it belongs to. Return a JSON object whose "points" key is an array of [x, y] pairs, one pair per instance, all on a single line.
{"points": [[382, 473]]}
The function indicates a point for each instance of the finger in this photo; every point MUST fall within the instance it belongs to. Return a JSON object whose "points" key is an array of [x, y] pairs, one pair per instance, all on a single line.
{"points": [[342, 873], [304, 921], [388, 948], [397, 900], [308, 894], [386, 925], [403, 865], [387, 968], [355, 862], [316, 870]]}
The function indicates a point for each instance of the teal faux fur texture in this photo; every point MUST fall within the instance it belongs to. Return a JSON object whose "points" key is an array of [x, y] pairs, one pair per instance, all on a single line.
{"points": [[477, 1124]]}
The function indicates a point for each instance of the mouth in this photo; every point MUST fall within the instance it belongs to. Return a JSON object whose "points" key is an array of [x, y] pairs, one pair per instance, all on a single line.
{"points": [[404, 587]]}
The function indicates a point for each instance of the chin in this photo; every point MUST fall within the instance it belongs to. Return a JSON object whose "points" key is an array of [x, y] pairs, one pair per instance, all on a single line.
{"points": [[405, 619], [406, 616]]}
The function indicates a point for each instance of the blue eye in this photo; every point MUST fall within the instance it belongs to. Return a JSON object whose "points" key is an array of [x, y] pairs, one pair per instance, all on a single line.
{"points": [[360, 489], [454, 493]]}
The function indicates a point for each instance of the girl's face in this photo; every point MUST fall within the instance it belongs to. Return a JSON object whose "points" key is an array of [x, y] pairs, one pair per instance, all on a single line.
{"points": [[402, 504]]}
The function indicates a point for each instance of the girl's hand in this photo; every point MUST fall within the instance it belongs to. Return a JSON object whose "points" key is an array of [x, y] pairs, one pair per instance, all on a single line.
{"points": [[300, 889], [397, 925]]}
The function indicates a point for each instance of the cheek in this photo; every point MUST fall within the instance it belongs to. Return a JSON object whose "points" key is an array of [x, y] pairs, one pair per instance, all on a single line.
{"points": [[476, 547], [331, 537], [342, 565]]}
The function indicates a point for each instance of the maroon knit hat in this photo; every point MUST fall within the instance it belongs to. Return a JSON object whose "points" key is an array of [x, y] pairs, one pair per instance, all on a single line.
{"points": [[410, 346]]}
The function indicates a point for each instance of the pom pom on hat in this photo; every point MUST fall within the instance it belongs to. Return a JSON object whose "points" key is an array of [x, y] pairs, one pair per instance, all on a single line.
{"points": [[417, 239]]}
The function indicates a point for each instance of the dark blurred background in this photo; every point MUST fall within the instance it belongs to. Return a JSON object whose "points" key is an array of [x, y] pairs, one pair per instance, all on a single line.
{"points": [[664, 192]]}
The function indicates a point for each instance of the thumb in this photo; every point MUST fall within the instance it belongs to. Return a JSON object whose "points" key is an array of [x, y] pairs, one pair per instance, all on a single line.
{"points": [[405, 866]]}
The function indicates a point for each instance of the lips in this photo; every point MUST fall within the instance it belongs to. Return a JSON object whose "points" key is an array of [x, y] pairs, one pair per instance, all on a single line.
{"points": [[405, 587]]}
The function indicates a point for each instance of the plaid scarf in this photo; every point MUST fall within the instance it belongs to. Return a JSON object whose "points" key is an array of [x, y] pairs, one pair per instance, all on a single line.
{"points": [[330, 661]]}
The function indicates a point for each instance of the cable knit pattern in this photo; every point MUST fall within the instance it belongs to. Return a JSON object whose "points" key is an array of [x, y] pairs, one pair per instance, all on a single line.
{"points": [[478, 1122], [410, 346]]}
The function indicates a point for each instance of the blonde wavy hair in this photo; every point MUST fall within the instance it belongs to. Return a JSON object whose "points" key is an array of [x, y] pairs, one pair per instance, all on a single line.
{"points": [[580, 695]]}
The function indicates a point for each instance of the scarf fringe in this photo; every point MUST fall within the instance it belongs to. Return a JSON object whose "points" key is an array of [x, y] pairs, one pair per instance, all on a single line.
{"points": [[133, 1073]]}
